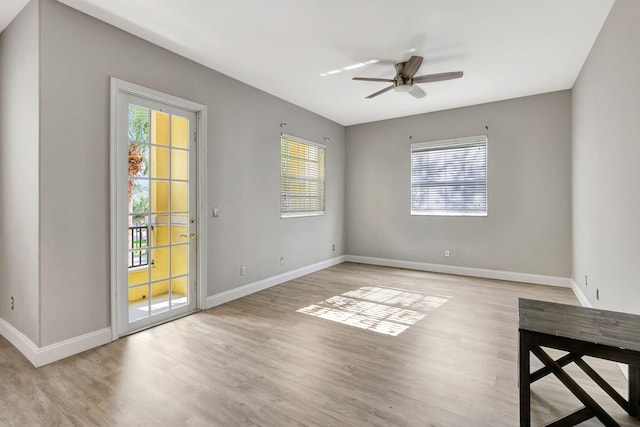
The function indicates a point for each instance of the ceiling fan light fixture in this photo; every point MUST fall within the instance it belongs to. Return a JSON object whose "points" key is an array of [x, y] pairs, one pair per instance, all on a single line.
{"points": [[403, 88]]}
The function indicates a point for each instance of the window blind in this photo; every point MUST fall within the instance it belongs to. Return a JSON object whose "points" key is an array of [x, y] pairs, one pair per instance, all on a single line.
{"points": [[449, 177], [302, 170]]}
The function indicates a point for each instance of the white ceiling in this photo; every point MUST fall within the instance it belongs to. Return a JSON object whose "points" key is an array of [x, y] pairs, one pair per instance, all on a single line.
{"points": [[506, 48], [9, 9]]}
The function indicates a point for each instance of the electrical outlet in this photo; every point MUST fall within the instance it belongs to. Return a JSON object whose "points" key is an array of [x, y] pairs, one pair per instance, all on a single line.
{"points": [[586, 280], [13, 303], [281, 260], [243, 270], [446, 252], [333, 248]]}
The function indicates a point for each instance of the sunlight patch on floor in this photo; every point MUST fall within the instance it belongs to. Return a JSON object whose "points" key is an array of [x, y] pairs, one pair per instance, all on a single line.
{"points": [[389, 311]]}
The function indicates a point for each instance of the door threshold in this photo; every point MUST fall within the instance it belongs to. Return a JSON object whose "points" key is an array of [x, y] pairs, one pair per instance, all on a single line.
{"points": [[162, 322]]}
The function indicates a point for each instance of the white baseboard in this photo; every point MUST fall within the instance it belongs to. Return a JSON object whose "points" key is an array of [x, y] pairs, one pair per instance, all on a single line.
{"points": [[40, 356], [75, 345], [242, 291], [537, 279], [19, 341], [580, 295]]}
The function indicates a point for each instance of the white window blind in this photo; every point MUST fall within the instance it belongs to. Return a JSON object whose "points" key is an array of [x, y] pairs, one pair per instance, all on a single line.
{"points": [[449, 177], [302, 167]]}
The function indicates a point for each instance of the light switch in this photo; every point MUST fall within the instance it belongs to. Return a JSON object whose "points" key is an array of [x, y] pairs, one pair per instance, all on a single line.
{"points": [[214, 212]]}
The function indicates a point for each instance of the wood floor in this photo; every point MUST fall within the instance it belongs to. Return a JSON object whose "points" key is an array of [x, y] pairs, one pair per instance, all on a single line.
{"points": [[257, 361]]}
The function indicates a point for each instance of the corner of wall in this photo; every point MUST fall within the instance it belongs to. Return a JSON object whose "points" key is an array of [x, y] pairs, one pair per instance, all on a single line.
{"points": [[19, 176], [584, 301], [19, 341]]}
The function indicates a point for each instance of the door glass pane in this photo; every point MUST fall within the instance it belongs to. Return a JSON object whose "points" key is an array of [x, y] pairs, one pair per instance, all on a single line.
{"points": [[138, 129], [138, 302], [160, 134], [139, 275], [159, 297], [159, 196], [179, 295], [161, 229], [138, 258], [138, 195], [160, 264], [138, 235], [159, 162], [179, 196], [138, 159], [179, 259], [179, 132], [179, 164], [179, 228]]}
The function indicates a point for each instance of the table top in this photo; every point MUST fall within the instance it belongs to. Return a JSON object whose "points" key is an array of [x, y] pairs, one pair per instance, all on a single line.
{"points": [[610, 328]]}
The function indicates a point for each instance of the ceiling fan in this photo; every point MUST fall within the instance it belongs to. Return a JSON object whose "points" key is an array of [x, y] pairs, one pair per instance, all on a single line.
{"points": [[404, 80]]}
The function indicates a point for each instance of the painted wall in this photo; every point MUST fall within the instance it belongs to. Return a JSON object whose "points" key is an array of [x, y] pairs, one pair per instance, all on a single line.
{"points": [[528, 227], [606, 173], [78, 56], [19, 163]]}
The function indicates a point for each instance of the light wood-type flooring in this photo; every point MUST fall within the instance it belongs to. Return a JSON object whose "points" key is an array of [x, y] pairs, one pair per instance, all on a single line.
{"points": [[258, 361]]}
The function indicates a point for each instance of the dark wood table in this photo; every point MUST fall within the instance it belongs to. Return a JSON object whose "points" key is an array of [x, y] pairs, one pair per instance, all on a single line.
{"points": [[581, 332]]}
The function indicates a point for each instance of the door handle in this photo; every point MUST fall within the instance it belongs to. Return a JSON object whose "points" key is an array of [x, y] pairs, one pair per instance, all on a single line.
{"points": [[190, 236]]}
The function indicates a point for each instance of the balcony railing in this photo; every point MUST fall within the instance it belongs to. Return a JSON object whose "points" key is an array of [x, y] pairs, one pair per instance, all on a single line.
{"points": [[139, 238]]}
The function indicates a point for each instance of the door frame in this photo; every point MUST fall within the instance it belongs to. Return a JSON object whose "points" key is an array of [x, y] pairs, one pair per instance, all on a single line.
{"points": [[119, 180]]}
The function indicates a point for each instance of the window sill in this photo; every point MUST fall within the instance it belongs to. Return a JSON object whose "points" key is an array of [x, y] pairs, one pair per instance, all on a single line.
{"points": [[418, 213], [300, 214]]}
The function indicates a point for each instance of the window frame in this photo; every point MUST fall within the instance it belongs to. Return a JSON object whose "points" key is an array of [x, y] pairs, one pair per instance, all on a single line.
{"points": [[305, 213], [478, 140]]}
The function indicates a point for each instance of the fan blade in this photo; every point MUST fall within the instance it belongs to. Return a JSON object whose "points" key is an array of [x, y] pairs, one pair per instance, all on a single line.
{"points": [[417, 92], [371, 79], [438, 77], [380, 92], [411, 67]]}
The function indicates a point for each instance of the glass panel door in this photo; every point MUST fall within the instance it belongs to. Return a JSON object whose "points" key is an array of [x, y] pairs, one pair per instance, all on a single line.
{"points": [[161, 207]]}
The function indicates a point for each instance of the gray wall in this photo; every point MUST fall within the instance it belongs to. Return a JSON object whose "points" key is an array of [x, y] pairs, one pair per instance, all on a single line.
{"points": [[606, 171], [19, 163], [78, 55], [528, 228]]}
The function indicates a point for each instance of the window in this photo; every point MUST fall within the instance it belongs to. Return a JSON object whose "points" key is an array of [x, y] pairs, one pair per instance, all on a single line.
{"points": [[449, 177], [301, 177]]}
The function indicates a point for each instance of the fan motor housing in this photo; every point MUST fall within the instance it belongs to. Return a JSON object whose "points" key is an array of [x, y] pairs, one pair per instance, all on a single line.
{"points": [[402, 85]]}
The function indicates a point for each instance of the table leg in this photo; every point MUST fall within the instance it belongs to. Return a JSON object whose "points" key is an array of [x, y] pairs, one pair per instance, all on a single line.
{"points": [[634, 390], [524, 381], [590, 404]]}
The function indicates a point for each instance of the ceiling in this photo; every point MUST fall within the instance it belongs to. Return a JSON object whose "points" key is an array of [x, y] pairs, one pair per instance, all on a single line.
{"points": [[9, 9], [307, 51]]}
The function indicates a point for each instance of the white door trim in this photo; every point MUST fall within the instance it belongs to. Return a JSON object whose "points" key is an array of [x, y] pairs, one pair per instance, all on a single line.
{"points": [[118, 180]]}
